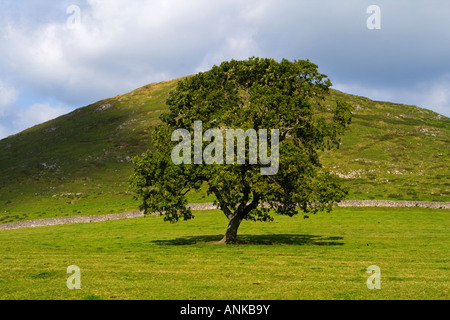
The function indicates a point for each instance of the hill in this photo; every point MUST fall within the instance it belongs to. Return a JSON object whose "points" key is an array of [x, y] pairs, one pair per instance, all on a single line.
{"points": [[79, 163]]}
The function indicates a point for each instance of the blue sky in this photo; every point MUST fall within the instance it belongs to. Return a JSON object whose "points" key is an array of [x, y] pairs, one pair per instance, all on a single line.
{"points": [[49, 67]]}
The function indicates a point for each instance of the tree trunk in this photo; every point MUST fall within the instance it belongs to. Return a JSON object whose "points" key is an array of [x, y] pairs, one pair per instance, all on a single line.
{"points": [[231, 234]]}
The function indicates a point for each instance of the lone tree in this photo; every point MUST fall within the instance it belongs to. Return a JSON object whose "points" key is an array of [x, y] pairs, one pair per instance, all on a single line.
{"points": [[250, 94]]}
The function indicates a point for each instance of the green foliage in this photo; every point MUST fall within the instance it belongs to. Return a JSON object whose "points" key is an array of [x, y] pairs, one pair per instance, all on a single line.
{"points": [[251, 94]]}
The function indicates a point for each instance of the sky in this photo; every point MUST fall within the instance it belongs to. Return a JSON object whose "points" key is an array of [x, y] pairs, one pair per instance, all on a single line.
{"points": [[57, 56]]}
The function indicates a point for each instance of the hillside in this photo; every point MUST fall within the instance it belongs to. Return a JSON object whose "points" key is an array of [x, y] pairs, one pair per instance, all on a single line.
{"points": [[393, 151], [79, 164]]}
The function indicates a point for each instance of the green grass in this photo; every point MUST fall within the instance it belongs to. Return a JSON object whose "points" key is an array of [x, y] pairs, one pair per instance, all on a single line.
{"points": [[324, 257]]}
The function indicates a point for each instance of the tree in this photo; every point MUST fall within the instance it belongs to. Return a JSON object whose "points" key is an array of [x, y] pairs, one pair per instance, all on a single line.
{"points": [[250, 94]]}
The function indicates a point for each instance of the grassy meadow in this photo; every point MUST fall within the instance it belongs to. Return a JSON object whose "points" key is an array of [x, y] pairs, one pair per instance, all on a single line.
{"points": [[323, 257]]}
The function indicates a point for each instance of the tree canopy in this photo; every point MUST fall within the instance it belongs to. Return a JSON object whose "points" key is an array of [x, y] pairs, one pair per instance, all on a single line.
{"points": [[254, 94]]}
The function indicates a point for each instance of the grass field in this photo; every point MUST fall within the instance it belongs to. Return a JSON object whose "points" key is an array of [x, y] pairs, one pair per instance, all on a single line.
{"points": [[324, 257]]}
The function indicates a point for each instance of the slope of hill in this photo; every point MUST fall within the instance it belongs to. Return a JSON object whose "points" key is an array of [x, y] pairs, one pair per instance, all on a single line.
{"points": [[393, 151], [79, 164]]}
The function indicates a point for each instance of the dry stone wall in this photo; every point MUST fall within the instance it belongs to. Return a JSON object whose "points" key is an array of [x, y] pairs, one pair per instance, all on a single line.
{"points": [[206, 206]]}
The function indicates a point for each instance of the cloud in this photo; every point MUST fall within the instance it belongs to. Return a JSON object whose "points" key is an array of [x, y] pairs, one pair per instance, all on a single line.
{"points": [[436, 95], [433, 95], [4, 132], [120, 45], [37, 113], [8, 96]]}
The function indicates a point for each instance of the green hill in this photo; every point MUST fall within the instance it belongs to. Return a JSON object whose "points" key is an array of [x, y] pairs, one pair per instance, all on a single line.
{"points": [[393, 152], [79, 164]]}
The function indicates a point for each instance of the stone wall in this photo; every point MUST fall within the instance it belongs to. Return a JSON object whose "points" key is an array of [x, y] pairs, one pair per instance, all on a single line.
{"points": [[70, 220], [397, 204], [206, 206]]}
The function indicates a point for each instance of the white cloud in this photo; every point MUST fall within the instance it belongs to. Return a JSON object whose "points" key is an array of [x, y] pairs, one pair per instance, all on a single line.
{"points": [[239, 47], [433, 95], [436, 95], [3, 132], [121, 45], [37, 113], [8, 96]]}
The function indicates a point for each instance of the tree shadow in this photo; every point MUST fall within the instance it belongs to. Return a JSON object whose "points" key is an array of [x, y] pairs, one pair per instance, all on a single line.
{"points": [[263, 239]]}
